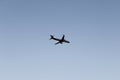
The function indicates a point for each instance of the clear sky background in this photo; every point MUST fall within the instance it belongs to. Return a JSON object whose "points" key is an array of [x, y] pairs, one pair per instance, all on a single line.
{"points": [[92, 27]]}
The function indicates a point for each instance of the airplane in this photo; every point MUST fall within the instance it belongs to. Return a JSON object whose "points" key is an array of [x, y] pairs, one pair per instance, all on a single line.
{"points": [[60, 41]]}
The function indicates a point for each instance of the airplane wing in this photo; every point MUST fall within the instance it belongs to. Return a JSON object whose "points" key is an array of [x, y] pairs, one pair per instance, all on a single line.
{"points": [[57, 43], [63, 37]]}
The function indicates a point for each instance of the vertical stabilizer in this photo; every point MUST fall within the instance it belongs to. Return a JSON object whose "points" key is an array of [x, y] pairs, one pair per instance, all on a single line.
{"points": [[51, 37]]}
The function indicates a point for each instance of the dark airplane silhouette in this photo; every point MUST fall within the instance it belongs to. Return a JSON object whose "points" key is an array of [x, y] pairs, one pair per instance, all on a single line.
{"points": [[59, 40]]}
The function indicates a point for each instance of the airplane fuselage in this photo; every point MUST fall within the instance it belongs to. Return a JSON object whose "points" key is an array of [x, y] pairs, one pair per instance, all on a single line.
{"points": [[59, 40]]}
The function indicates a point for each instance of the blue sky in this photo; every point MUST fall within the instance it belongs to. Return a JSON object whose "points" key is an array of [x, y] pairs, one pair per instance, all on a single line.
{"points": [[92, 27]]}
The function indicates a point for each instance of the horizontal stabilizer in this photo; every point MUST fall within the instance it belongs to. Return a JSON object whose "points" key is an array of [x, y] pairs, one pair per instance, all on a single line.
{"points": [[51, 37]]}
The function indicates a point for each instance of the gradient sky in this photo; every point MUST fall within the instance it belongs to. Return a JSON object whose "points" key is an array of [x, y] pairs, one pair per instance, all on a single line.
{"points": [[92, 27]]}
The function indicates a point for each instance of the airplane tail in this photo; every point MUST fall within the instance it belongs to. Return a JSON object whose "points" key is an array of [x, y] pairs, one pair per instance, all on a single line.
{"points": [[51, 37]]}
